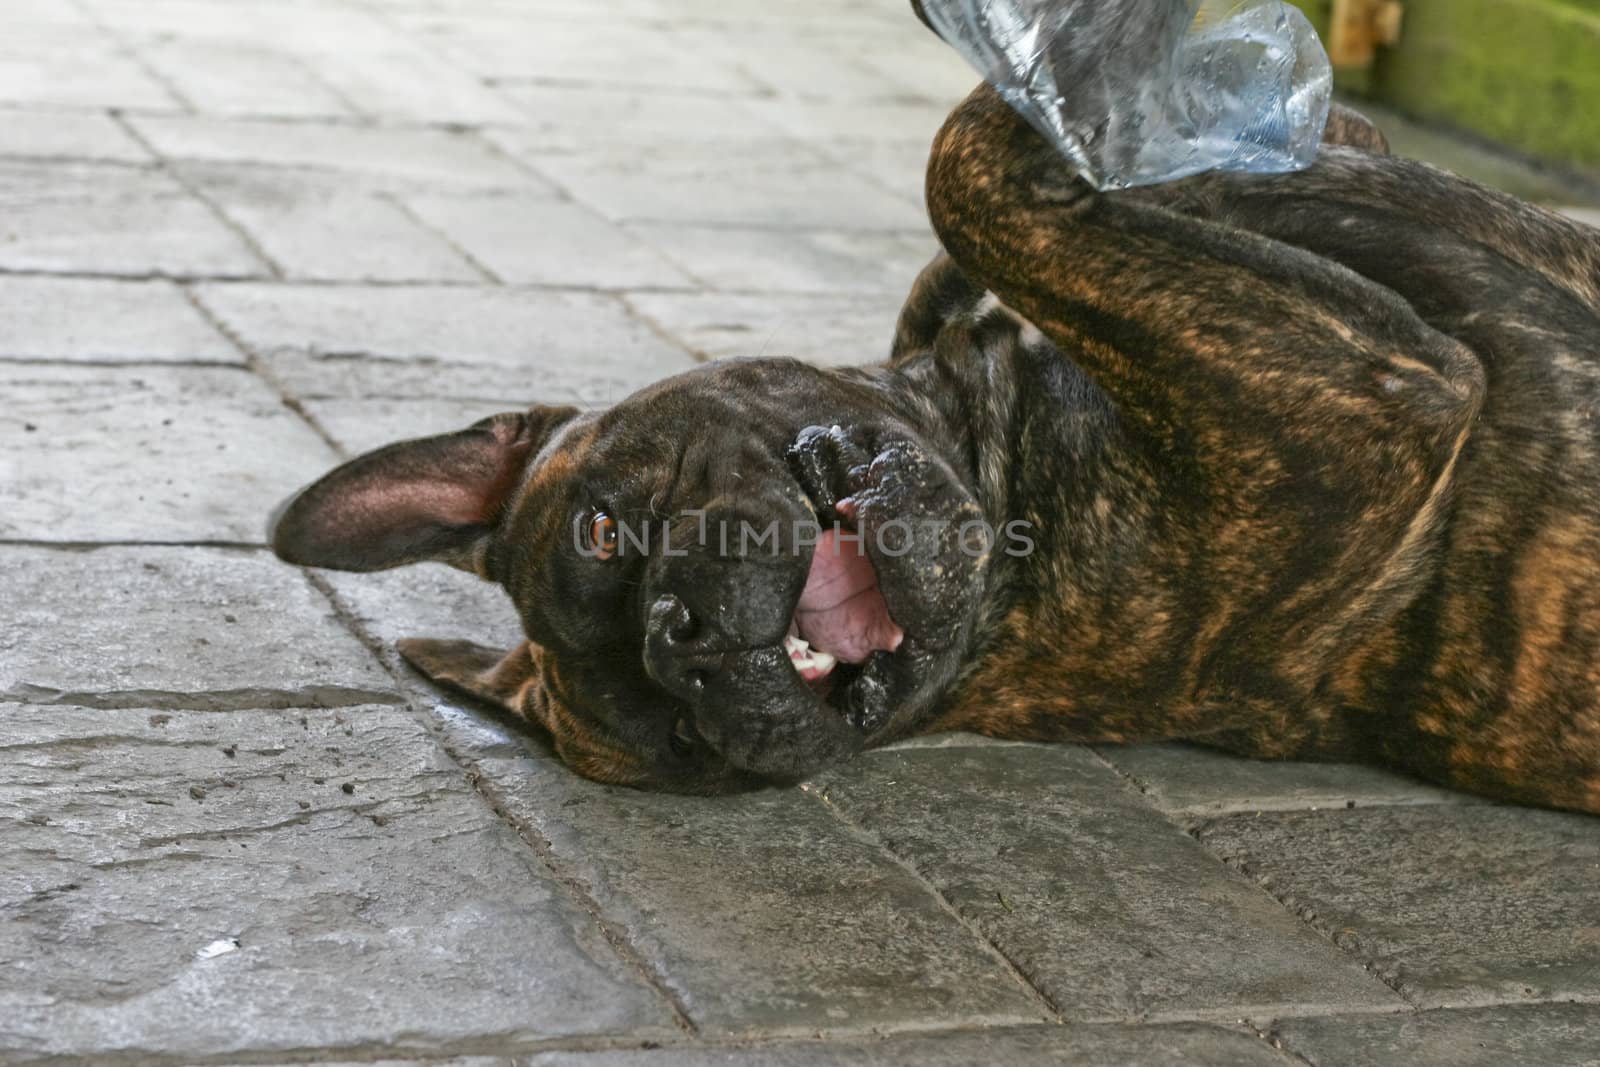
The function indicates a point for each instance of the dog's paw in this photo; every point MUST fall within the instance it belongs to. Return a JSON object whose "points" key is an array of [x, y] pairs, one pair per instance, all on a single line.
{"points": [[830, 463], [485, 674], [927, 538], [919, 523]]}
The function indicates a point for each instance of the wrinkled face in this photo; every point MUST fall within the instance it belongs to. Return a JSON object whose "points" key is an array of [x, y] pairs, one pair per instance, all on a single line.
{"points": [[740, 575], [717, 583]]}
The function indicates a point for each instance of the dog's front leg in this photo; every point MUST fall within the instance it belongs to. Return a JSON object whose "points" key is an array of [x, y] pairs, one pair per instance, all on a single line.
{"points": [[929, 545]]}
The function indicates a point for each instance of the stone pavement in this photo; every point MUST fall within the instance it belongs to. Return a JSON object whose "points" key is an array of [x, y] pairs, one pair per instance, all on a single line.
{"points": [[242, 238]]}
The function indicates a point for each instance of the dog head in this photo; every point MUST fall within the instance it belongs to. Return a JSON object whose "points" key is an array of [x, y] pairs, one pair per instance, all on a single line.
{"points": [[737, 576]]}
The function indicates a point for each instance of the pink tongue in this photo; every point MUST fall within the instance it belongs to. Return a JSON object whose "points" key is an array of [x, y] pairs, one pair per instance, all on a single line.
{"points": [[841, 611]]}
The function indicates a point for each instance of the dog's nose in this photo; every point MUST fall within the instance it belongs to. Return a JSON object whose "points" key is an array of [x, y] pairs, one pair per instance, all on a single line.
{"points": [[677, 650]]}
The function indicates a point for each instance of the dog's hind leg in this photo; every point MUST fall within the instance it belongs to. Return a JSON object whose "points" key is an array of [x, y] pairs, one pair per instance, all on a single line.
{"points": [[1503, 652], [1377, 542], [1301, 424]]}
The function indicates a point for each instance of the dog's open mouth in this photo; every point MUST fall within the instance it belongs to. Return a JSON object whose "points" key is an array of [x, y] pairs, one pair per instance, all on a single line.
{"points": [[841, 616]]}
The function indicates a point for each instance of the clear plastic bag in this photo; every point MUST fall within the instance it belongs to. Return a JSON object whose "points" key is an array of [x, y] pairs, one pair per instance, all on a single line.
{"points": [[1136, 92]]}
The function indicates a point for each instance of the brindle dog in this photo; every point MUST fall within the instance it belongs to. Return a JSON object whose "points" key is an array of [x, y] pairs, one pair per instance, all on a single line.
{"points": [[1306, 466]]}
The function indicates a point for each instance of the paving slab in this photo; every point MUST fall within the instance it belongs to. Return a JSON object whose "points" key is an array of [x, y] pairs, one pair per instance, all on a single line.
{"points": [[289, 25], [174, 628], [1106, 905], [318, 226], [804, 927], [449, 158], [840, 122], [1110, 909], [924, 66], [96, 218], [586, 51], [898, 166], [449, 1061], [433, 600], [1539, 1035], [57, 134], [402, 82], [1455, 905], [774, 183], [795, 261], [431, 1061], [952, 739], [348, 381], [652, 12], [506, 346], [47, 12], [244, 79], [98, 320], [1191, 780], [146, 453], [58, 65], [361, 425], [566, 118], [538, 241], [795, 57], [428, 600], [832, 329], [1083, 1046], [199, 883]]}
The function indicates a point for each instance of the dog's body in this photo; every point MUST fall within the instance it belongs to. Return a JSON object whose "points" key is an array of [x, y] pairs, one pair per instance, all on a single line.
{"points": [[1307, 466]]}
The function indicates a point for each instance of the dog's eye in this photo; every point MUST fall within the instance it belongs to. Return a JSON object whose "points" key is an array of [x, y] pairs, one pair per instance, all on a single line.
{"points": [[600, 536], [681, 740]]}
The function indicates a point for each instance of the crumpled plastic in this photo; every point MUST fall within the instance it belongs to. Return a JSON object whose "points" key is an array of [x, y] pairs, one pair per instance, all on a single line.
{"points": [[1137, 92]]}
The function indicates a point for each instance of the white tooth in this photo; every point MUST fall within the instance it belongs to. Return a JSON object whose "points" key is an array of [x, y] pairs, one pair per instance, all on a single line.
{"points": [[806, 658]]}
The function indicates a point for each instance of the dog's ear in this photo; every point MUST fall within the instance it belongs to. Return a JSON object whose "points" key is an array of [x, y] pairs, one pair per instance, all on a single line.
{"points": [[434, 498], [498, 678]]}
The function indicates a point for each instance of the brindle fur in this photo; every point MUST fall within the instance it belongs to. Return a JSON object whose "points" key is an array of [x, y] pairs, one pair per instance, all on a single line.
{"points": [[1349, 514], [1310, 463]]}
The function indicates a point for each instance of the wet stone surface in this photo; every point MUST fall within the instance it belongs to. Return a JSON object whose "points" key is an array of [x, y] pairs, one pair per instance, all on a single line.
{"points": [[1107, 907], [1546, 1035], [175, 627], [1182, 1045], [803, 926], [507, 346], [99, 219], [780, 183], [322, 226], [838, 329], [154, 453], [324, 874], [534, 242], [408, 156], [89, 319], [1194, 781], [1454, 904]]}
